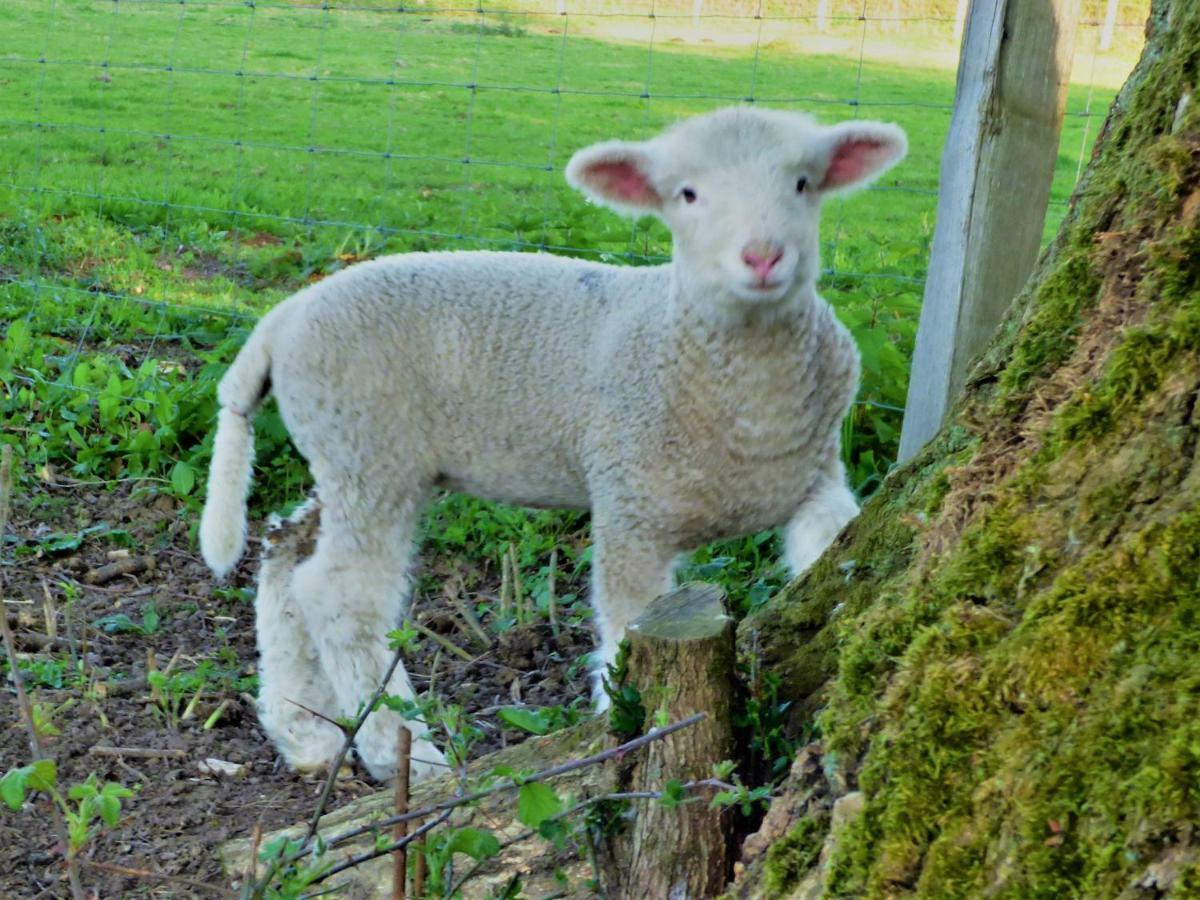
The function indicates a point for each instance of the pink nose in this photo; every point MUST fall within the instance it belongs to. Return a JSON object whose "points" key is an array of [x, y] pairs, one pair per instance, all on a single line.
{"points": [[761, 258]]}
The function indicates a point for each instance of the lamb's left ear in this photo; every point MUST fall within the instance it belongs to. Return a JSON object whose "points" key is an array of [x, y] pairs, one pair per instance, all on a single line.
{"points": [[617, 174], [858, 153]]}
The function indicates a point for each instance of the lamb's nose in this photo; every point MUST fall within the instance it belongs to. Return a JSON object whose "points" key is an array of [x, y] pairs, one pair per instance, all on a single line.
{"points": [[761, 258]]}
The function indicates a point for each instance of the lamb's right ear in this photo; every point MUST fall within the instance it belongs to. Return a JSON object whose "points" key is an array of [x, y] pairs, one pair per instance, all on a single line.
{"points": [[616, 174]]}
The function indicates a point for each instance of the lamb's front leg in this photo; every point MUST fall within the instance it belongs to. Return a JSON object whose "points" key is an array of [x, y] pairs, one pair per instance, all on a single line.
{"points": [[629, 570], [829, 507]]}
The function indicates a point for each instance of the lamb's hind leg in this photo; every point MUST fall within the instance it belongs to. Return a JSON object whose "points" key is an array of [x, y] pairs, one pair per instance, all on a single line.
{"points": [[294, 692], [353, 590], [829, 507]]}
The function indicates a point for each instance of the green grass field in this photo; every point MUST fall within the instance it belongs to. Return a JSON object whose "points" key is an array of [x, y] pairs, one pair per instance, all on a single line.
{"points": [[169, 170]]}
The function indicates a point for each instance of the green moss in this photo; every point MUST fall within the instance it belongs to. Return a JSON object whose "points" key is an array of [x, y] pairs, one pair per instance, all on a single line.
{"points": [[791, 857], [1021, 707]]}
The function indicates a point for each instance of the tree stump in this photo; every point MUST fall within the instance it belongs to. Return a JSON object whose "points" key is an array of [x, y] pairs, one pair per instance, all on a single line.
{"points": [[681, 660]]}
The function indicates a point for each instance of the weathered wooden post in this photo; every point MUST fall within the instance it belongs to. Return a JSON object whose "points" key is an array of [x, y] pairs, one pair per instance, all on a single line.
{"points": [[1110, 25], [822, 15], [997, 167], [681, 660]]}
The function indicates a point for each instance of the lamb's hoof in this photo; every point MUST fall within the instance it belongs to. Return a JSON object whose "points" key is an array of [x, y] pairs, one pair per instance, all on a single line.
{"points": [[307, 744]]}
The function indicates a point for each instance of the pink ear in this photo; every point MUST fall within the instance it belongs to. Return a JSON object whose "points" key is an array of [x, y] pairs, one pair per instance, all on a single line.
{"points": [[862, 150], [622, 181], [854, 160]]}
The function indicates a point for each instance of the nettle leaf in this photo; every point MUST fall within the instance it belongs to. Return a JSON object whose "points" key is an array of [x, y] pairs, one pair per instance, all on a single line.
{"points": [[537, 802], [12, 787], [672, 794], [535, 721], [183, 478], [475, 843], [109, 808], [43, 775]]}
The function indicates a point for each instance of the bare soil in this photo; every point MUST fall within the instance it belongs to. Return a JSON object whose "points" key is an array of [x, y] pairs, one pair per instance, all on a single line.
{"points": [[179, 813]]}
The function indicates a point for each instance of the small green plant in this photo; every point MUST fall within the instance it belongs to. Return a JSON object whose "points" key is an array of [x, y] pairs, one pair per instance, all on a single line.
{"points": [[86, 807], [543, 719], [119, 623], [627, 715]]}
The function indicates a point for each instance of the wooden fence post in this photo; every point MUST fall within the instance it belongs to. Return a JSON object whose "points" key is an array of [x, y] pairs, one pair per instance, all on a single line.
{"points": [[822, 15], [997, 167], [1110, 24]]}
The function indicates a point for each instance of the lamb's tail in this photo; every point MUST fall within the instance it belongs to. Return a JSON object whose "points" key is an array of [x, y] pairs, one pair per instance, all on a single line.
{"points": [[223, 523]]}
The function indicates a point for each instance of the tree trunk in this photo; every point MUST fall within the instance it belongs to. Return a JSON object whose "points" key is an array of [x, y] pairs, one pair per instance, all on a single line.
{"points": [[1001, 654], [681, 660]]}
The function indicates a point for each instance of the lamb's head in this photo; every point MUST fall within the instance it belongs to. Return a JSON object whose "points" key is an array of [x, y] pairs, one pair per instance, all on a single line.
{"points": [[741, 190]]}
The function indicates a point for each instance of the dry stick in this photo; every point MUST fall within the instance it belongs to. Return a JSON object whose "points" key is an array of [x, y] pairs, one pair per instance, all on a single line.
{"points": [[400, 829], [35, 745], [551, 597], [252, 864], [505, 583], [138, 752], [148, 873], [50, 611], [520, 601], [445, 642], [464, 609]]}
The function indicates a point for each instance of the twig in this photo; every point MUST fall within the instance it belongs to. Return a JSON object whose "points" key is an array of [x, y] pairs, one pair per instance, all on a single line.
{"points": [[307, 709], [147, 873], [445, 642], [551, 596], [138, 752], [400, 829], [418, 876], [252, 864]]}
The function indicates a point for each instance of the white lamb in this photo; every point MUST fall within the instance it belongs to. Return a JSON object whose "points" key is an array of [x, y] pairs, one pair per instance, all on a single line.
{"points": [[683, 403]]}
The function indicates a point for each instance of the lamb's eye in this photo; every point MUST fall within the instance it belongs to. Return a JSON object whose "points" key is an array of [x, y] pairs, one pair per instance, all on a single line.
{"points": [[801, 185], [689, 196]]}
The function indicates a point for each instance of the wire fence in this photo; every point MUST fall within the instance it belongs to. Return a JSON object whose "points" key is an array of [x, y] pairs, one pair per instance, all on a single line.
{"points": [[297, 136]]}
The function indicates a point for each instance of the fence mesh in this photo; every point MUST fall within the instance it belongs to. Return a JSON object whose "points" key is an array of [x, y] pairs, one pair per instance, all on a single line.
{"points": [[193, 161]]}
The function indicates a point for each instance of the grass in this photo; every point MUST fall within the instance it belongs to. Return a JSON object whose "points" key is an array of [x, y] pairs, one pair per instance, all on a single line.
{"points": [[168, 171]]}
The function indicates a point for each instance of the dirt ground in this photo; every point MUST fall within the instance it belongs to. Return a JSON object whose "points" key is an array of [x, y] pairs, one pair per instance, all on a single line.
{"points": [[179, 813]]}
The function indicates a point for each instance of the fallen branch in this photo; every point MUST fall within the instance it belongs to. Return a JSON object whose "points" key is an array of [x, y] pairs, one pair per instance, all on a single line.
{"points": [[649, 737], [152, 875], [138, 752], [132, 565]]}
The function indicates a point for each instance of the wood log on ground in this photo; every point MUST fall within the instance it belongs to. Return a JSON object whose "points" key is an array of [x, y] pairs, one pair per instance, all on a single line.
{"points": [[681, 660], [535, 861]]}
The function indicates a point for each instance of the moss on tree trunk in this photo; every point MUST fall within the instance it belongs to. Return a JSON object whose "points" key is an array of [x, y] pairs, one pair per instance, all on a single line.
{"points": [[1003, 653]]}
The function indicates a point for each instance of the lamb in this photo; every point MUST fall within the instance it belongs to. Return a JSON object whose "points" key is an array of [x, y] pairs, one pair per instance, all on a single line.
{"points": [[684, 403]]}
